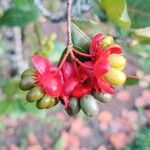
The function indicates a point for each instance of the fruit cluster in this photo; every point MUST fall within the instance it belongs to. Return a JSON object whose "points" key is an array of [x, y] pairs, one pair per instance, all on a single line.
{"points": [[80, 78]]}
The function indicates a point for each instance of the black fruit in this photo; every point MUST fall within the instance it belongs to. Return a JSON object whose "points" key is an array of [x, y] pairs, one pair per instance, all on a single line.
{"points": [[73, 107], [104, 98]]}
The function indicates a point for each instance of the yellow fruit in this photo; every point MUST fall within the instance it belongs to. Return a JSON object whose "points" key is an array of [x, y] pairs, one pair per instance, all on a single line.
{"points": [[117, 61], [108, 40], [115, 77]]}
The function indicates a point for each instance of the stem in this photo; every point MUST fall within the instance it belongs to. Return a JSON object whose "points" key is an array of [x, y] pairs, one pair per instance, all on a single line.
{"points": [[78, 61], [64, 59], [69, 14], [82, 54], [69, 41], [75, 67]]}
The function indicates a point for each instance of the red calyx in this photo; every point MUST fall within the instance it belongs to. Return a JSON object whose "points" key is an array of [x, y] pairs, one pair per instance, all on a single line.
{"points": [[76, 78]]}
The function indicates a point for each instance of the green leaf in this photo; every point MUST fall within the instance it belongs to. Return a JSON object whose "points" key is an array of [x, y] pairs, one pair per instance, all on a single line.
{"points": [[139, 12], [82, 33], [18, 106], [132, 81], [117, 12], [23, 4], [20, 15], [142, 35], [8, 107], [11, 87]]}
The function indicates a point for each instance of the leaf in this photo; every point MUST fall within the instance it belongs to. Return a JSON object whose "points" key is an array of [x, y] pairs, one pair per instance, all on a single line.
{"points": [[139, 12], [19, 15], [142, 35], [8, 107], [17, 106], [117, 12], [82, 33], [11, 87], [132, 81], [23, 4]]}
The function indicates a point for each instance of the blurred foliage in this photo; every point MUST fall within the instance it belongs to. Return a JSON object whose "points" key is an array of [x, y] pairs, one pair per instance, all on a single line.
{"points": [[127, 20], [123, 13], [117, 12], [20, 13], [141, 141]]}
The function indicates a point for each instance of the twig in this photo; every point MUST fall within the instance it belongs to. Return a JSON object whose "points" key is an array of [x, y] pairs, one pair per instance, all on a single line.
{"points": [[69, 14]]}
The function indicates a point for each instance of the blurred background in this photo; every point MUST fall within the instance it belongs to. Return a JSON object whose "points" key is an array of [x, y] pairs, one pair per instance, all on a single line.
{"points": [[30, 27]]}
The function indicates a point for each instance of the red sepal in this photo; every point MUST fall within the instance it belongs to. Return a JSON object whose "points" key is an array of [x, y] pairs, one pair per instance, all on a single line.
{"points": [[114, 49], [81, 90], [48, 76], [104, 86], [41, 64], [95, 40], [101, 67]]}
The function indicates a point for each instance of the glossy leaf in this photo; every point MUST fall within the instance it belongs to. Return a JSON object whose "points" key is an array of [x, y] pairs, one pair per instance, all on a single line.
{"points": [[117, 12], [139, 12], [82, 33]]}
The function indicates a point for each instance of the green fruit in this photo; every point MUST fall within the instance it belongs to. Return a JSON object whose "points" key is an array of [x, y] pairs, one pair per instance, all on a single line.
{"points": [[53, 103], [89, 105], [104, 98], [28, 72], [34, 94], [27, 83], [44, 102], [73, 107]]}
